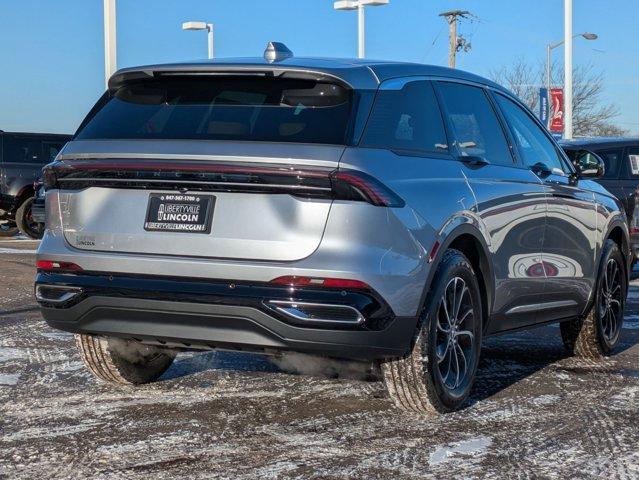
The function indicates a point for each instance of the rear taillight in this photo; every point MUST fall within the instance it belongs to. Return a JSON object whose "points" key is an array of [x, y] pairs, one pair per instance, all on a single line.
{"points": [[49, 176], [356, 185], [55, 266], [339, 184], [295, 281], [187, 174]]}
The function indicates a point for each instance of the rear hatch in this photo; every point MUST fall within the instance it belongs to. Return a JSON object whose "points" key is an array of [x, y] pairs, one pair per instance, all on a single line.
{"points": [[211, 166]]}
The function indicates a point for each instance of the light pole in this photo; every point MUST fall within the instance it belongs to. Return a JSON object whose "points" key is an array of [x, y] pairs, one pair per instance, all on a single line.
{"points": [[202, 26], [549, 48], [361, 28], [109, 41]]}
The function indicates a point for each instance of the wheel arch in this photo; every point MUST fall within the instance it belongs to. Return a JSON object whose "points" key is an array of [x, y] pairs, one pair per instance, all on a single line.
{"points": [[23, 194], [471, 243], [618, 233]]}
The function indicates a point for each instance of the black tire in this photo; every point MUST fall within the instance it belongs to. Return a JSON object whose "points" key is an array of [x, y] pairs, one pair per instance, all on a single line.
{"points": [[8, 229], [416, 383], [25, 222], [123, 361], [597, 333]]}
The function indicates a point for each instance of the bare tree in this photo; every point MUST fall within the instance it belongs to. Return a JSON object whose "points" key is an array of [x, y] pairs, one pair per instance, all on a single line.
{"points": [[591, 115]]}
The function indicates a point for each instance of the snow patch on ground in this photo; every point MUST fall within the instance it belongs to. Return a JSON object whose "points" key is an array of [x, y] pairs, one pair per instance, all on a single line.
{"points": [[9, 353], [9, 378], [18, 251], [473, 448], [57, 335], [545, 400]]}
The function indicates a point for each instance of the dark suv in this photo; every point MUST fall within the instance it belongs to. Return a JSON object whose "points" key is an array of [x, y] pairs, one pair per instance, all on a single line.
{"points": [[621, 177], [22, 156], [381, 211]]}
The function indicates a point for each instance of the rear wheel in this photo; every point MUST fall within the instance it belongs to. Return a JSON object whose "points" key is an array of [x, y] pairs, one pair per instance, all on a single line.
{"points": [[439, 372], [8, 228], [598, 333], [25, 222], [123, 361]]}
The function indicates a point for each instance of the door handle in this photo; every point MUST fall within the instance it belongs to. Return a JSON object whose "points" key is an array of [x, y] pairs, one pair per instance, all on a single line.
{"points": [[474, 160]]}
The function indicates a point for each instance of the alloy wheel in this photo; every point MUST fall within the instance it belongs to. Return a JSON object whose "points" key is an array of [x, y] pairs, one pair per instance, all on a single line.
{"points": [[611, 302], [454, 346]]}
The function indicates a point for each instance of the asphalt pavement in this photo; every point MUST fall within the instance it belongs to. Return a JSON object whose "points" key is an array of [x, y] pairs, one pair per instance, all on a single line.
{"points": [[535, 413]]}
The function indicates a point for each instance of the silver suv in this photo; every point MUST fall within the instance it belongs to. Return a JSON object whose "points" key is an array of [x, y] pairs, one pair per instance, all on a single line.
{"points": [[377, 211]]}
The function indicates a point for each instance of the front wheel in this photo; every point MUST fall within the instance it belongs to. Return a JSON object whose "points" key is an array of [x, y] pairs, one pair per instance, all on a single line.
{"points": [[439, 372], [123, 361], [598, 333]]}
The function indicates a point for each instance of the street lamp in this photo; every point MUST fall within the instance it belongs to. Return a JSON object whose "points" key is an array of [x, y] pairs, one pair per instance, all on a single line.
{"points": [[359, 6], [201, 26], [549, 48]]}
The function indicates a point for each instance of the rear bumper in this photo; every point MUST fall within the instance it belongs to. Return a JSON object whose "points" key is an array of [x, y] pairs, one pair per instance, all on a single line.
{"points": [[209, 315]]}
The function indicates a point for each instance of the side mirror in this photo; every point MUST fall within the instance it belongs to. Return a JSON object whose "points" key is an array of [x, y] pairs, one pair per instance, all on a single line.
{"points": [[589, 164]]}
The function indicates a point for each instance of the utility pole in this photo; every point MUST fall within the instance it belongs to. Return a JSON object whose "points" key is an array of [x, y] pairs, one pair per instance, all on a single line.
{"points": [[110, 63], [455, 43]]}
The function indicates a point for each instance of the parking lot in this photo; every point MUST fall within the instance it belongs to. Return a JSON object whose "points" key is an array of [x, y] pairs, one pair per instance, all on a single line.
{"points": [[534, 412]]}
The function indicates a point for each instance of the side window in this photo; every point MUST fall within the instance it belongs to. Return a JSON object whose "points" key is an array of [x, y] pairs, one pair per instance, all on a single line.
{"points": [[633, 161], [406, 119], [476, 128], [533, 144], [50, 150], [21, 150], [612, 160]]}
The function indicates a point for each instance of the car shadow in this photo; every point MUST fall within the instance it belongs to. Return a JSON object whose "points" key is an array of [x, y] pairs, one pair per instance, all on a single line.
{"points": [[191, 363], [510, 358], [505, 361]]}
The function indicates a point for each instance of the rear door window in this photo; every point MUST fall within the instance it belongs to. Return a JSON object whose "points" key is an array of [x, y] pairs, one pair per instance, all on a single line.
{"points": [[225, 108], [475, 125], [406, 119]]}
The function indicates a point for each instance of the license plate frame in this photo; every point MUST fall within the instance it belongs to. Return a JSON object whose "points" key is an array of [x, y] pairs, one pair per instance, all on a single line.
{"points": [[179, 213]]}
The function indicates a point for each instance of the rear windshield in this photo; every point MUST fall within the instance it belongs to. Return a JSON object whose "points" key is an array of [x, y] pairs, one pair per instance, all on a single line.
{"points": [[225, 108]]}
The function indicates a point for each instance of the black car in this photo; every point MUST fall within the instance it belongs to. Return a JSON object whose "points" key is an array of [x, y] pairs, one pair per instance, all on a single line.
{"points": [[621, 178], [22, 156]]}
